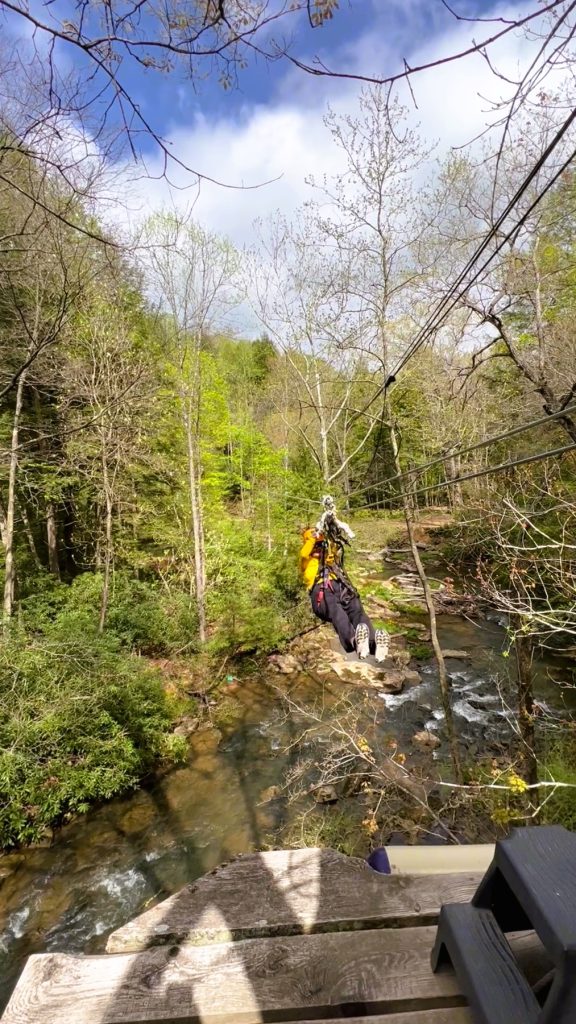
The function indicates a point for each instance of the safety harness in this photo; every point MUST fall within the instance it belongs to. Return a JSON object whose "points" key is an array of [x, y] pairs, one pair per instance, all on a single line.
{"points": [[339, 533]]}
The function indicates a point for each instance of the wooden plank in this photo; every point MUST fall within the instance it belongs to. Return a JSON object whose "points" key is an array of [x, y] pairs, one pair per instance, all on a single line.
{"points": [[293, 978], [450, 1015], [287, 977], [291, 892], [431, 860]]}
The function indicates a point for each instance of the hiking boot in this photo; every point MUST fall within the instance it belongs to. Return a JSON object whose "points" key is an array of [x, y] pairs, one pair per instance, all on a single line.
{"points": [[362, 640], [382, 644]]}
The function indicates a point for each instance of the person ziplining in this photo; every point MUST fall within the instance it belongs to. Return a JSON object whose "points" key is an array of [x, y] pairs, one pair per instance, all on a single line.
{"points": [[333, 597]]}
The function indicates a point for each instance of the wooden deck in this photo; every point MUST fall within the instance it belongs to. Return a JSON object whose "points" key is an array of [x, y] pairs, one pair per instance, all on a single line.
{"points": [[300, 935]]}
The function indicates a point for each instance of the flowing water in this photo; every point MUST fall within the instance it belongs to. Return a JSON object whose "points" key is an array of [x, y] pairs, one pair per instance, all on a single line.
{"points": [[109, 865]]}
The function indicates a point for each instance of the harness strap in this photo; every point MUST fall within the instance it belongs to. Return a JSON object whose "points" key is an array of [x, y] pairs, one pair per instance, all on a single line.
{"points": [[323, 578], [343, 579]]}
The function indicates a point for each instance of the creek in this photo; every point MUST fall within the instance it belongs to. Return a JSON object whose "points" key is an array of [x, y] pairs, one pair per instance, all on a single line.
{"points": [[106, 867]]}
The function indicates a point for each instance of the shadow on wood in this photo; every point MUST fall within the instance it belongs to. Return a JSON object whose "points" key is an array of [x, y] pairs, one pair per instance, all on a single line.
{"points": [[290, 935]]}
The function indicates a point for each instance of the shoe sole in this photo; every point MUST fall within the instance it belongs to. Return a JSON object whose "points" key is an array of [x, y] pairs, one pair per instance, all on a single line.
{"points": [[382, 648], [363, 646]]}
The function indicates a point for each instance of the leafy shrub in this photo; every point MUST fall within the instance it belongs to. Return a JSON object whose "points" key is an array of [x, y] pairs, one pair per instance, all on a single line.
{"points": [[253, 602], [80, 721], [141, 616], [560, 809], [151, 620]]}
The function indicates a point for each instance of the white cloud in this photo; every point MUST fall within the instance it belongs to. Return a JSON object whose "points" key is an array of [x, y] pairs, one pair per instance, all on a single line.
{"points": [[286, 138], [280, 145]]}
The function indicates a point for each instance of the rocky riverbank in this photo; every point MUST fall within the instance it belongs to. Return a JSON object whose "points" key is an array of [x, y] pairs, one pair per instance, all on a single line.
{"points": [[376, 752]]}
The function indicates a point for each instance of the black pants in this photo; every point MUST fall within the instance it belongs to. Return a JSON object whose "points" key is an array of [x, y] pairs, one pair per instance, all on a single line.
{"points": [[333, 602]]}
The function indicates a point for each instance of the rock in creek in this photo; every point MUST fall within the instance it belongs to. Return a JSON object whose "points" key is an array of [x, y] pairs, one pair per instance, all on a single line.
{"points": [[365, 673], [285, 663], [138, 815], [461, 655], [393, 682], [325, 795], [412, 678], [426, 740], [186, 726]]}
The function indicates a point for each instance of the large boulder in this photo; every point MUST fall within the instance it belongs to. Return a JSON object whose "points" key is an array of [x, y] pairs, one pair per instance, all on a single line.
{"points": [[411, 677], [393, 682], [285, 663], [325, 795]]}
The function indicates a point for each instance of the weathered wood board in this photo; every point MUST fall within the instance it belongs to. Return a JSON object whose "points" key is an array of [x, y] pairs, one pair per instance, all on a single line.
{"points": [[293, 978], [451, 1015], [290, 892]]}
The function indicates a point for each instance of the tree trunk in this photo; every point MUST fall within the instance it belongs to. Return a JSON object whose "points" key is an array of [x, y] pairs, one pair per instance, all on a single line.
{"points": [[323, 430], [525, 694], [285, 468], [455, 489], [268, 516], [442, 674], [29, 534], [197, 521], [68, 525], [9, 566], [52, 539], [552, 405], [3, 524], [108, 541], [51, 527]]}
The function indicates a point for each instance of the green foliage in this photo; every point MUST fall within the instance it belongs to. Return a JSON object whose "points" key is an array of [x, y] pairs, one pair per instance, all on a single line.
{"points": [[422, 652], [81, 721], [560, 764], [254, 603], [142, 616]]}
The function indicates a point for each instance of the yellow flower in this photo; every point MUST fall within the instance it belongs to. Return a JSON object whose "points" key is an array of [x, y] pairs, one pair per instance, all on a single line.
{"points": [[364, 747], [370, 824], [517, 785]]}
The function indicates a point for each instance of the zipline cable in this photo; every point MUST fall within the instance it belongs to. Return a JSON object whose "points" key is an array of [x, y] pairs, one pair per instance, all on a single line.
{"points": [[447, 303], [541, 421], [471, 448], [440, 311], [539, 456]]}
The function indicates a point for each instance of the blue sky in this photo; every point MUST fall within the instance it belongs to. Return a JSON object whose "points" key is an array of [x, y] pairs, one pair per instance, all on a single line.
{"points": [[270, 128], [385, 31], [392, 30]]}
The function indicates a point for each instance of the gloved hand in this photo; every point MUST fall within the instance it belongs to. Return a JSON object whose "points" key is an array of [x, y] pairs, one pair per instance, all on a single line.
{"points": [[329, 516]]}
